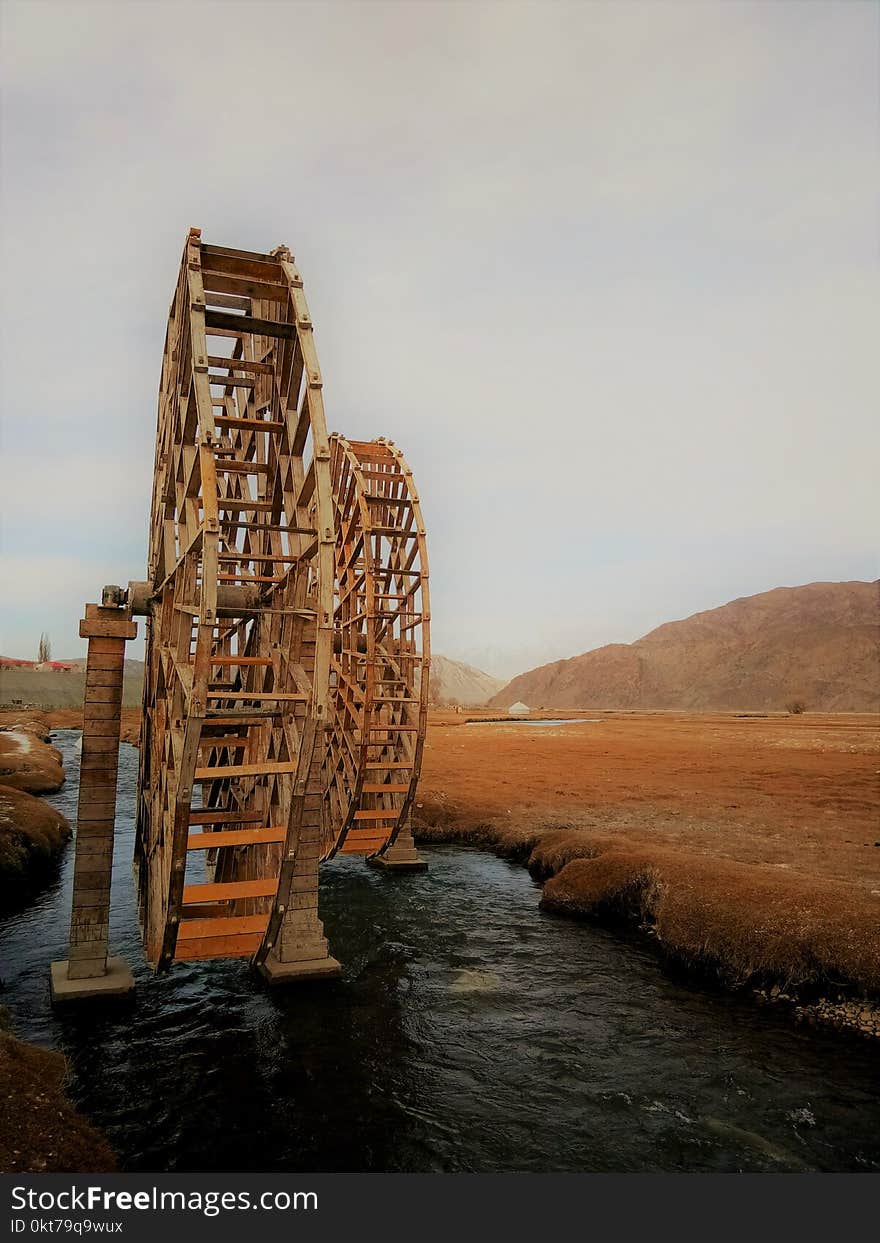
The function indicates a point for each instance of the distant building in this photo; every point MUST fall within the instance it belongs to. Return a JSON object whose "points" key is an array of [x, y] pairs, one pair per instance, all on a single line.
{"points": [[519, 709]]}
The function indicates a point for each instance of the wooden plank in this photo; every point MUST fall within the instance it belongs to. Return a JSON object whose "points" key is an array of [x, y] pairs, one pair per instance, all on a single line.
{"points": [[362, 847], [260, 695], [249, 578], [232, 467], [389, 789], [222, 926], [230, 890], [208, 816], [240, 504], [232, 381], [258, 425], [206, 910], [242, 325], [235, 302], [241, 263], [258, 557], [218, 947], [249, 286], [235, 837], [235, 252], [244, 770], [240, 364], [241, 660], [389, 813]]}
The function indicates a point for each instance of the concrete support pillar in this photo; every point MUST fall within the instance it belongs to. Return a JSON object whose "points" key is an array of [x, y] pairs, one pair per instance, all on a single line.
{"points": [[402, 856], [301, 951], [89, 971]]}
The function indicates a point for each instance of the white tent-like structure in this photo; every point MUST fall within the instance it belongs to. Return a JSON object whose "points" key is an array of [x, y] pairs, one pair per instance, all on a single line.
{"points": [[519, 709]]}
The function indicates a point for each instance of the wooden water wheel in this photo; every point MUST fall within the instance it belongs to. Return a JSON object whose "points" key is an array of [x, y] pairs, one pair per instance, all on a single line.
{"points": [[240, 596], [379, 672], [285, 693]]}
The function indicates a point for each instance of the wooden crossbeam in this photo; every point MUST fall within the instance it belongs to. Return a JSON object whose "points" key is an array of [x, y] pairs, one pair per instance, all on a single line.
{"points": [[244, 324], [235, 837], [231, 890], [267, 769], [220, 926]]}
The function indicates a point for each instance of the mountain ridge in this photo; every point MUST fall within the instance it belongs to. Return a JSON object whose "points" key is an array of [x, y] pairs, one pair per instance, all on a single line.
{"points": [[817, 644]]}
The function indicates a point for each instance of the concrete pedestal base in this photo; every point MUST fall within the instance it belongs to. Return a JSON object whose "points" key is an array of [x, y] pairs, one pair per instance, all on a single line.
{"points": [[401, 855], [400, 863], [117, 981], [290, 972]]}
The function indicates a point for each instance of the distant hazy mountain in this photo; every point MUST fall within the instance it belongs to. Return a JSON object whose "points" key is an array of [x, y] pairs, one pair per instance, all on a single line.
{"points": [[819, 644], [453, 680], [450, 680]]}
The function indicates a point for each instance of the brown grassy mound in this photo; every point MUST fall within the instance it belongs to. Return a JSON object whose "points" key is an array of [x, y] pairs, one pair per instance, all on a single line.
{"points": [[747, 923], [27, 762], [28, 720], [31, 834], [40, 1131]]}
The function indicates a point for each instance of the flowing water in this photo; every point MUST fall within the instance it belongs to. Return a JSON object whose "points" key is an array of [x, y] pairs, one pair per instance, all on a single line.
{"points": [[470, 1032]]}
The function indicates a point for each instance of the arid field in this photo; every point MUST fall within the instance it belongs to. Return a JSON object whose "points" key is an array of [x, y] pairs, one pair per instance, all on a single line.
{"points": [[750, 845], [795, 792]]}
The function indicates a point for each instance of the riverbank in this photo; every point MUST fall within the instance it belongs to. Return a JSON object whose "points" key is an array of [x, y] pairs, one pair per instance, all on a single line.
{"points": [[41, 1132], [744, 848]]}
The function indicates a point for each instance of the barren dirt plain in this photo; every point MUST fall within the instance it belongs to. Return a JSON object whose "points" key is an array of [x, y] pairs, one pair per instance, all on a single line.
{"points": [[792, 792]]}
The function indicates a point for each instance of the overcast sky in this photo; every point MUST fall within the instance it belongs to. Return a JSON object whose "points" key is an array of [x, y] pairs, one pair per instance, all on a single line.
{"points": [[607, 273]]}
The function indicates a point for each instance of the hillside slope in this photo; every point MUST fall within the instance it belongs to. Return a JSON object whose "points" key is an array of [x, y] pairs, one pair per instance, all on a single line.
{"points": [[454, 680], [819, 643]]}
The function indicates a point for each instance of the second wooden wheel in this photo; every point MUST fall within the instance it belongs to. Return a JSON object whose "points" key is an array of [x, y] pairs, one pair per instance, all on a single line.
{"points": [[381, 649]]}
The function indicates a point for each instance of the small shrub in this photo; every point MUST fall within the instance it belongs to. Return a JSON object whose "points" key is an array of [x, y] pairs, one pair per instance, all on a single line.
{"points": [[796, 707]]}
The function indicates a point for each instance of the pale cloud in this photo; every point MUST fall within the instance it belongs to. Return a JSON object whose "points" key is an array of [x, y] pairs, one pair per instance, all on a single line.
{"points": [[606, 272]]}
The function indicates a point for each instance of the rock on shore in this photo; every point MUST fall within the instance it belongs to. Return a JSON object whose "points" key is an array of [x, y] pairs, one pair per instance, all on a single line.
{"points": [[27, 761], [31, 832]]}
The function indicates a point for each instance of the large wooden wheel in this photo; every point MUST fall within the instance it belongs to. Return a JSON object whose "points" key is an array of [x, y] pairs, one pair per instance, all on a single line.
{"points": [[239, 599], [381, 651]]}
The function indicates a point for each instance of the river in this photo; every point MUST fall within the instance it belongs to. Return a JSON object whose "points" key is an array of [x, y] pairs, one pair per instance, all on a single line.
{"points": [[470, 1032]]}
